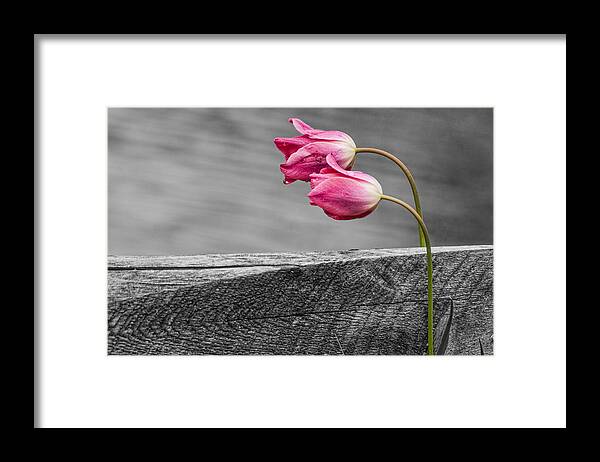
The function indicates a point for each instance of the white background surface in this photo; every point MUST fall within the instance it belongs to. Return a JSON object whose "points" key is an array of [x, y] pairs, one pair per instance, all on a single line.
{"points": [[524, 384]]}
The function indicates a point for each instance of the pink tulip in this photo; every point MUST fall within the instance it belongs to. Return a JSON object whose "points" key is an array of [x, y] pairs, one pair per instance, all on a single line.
{"points": [[343, 194], [306, 154]]}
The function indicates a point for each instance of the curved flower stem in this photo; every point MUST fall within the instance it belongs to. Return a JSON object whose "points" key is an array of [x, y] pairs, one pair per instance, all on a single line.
{"points": [[409, 177], [429, 269]]}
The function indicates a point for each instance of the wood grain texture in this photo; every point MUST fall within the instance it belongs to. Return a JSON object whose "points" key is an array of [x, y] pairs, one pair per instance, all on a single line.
{"points": [[356, 302]]}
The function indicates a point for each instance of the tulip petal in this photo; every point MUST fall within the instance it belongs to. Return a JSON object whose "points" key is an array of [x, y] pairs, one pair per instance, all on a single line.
{"points": [[300, 170], [323, 175], [310, 159], [331, 161], [326, 135], [339, 152], [342, 217], [344, 197], [288, 146], [332, 135], [301, 126]]}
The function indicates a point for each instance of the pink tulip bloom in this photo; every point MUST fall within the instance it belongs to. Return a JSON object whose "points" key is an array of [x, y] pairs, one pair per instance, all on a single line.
{"points": [[343, 194], [306, 154]]}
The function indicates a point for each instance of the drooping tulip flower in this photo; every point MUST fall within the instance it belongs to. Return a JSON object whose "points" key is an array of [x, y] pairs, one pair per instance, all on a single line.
{"points": [[343, 194], [306, 154]]}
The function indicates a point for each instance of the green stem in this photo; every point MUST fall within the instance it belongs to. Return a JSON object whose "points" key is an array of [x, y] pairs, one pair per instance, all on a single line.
{"points": [[429, 269], [409, 177]]}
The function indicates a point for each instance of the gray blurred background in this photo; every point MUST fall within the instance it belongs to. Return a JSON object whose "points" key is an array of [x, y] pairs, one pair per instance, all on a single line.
{"points": [[194, 181]]}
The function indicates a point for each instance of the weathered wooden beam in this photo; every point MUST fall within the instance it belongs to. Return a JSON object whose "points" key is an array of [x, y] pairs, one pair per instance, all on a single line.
{"points": [[355, 302]]}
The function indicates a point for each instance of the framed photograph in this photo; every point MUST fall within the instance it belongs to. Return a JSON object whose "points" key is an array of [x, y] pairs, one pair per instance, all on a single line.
{"points": [[244, 217]]}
